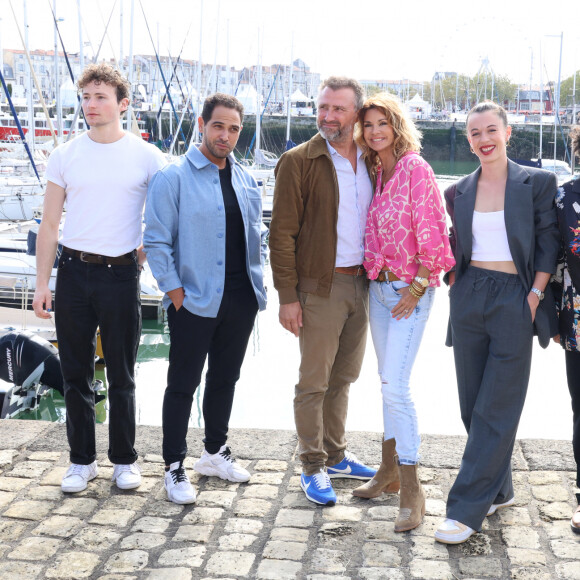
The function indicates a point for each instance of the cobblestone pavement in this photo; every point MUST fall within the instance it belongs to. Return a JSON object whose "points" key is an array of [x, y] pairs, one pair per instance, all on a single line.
{"points": [[266, 528]]}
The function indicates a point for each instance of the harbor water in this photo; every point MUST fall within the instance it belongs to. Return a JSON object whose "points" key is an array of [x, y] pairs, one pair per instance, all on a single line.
{"points": [[265, 391]]}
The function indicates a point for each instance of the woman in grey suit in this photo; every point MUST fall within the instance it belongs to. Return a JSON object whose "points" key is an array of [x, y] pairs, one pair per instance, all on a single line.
{"points": [[505, 240]]}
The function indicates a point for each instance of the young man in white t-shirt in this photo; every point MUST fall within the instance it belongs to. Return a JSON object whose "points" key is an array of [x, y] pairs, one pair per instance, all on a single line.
{"points": [[102, 175]]}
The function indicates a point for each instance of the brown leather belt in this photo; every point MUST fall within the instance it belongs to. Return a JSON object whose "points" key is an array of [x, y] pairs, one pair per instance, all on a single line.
{"points": [[124, 260], [385, 275], [351, 270]]}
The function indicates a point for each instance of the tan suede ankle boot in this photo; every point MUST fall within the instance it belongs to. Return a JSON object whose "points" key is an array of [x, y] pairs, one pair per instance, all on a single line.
{"points": [[411, 500], [386, 480]]}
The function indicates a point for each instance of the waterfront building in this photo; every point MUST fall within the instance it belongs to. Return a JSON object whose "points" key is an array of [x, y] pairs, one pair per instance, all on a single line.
{"points": [[148, 83]]}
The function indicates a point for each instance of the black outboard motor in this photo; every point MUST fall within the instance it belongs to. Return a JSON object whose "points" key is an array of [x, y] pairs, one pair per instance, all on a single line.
{"points": [[31, 364], [26, 358]]}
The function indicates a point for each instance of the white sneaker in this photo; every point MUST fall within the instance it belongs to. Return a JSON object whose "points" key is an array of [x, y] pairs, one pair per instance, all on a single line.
{"points": [[127, 476], [221, 464], [78, 476], [177, 484], [453, 532], [497, 506]]}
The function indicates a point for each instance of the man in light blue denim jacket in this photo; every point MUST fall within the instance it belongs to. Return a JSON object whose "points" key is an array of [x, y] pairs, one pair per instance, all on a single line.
{"points": [[206, 246]]}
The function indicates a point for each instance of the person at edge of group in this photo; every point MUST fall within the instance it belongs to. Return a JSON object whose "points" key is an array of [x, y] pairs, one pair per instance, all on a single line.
{"points": [[321, 200], [206, 246], [102, 175], [406, 249], [566, 286], [505, 239]]}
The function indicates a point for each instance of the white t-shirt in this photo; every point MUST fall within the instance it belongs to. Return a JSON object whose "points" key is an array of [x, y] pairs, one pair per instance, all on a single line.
{"points": [[105, 185]]}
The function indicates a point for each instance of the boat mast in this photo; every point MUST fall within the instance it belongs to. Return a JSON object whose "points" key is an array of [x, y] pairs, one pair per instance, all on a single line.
{"points": [[258, 100], [228, 73], [217, 31], [81, 45], [130, 65], [541, 101], [57, 78], [289, 108], [31, 127], [557, 111], [195, 135], [121, 34], [1, 52]]}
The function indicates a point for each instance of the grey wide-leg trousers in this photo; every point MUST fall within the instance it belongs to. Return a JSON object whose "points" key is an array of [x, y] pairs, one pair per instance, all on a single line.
{"points": [[492, 335]]}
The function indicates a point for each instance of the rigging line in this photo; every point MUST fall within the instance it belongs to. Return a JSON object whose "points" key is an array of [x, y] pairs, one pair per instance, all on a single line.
{"points": [[36, 83], [70, 71], [264, 109], [79, 106], [558, 122], [161, 69], [20, 131], [175, 67], [191, 119]]}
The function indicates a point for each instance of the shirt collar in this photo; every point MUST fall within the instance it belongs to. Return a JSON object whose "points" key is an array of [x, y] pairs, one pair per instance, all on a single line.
{"points": [[333, 151]]}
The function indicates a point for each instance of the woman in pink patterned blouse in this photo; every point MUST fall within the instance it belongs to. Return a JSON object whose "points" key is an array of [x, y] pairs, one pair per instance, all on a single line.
{"points": [[406, 249]]}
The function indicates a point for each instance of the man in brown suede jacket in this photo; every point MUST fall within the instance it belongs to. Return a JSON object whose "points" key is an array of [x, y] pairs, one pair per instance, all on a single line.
{"points": [[316, 249]]}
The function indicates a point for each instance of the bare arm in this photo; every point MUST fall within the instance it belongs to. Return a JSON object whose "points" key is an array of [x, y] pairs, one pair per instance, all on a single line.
{"points": [[46, 244]]}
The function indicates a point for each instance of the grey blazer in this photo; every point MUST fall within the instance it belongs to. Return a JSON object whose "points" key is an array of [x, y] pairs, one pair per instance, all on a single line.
{"points": [[532, 231]]}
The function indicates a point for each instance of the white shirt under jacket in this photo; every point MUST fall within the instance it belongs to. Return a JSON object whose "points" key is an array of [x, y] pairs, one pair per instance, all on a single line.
{"points": [[355, 194]]}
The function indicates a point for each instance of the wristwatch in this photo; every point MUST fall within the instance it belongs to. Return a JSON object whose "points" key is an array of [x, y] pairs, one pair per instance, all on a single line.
{"points": [[538, 293], [423, 281]]}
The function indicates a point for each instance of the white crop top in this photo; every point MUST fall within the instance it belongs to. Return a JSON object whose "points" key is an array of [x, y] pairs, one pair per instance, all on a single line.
{"points": [[490, 242]]}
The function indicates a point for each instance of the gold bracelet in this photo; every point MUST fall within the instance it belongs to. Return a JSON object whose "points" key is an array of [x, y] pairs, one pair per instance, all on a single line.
{"points": [[414, 292], [418, 288]]}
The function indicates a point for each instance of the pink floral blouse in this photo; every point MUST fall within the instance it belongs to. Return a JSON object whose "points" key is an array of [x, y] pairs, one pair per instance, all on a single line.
{"points": [[406, 224]]}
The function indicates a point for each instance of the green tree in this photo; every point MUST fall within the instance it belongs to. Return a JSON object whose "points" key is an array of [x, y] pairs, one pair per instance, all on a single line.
{"points": [[567, 90]]}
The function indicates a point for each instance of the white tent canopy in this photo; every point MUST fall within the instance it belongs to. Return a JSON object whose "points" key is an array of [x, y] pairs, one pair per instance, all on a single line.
{"points": [[298, 95]]}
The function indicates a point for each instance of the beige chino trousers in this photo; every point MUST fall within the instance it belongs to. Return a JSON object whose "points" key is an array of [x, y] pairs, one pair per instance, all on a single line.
{"points": [[332, 345]]}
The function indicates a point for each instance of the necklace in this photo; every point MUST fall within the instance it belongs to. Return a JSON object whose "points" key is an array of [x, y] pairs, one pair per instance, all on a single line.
{"points": [[388, 174]]}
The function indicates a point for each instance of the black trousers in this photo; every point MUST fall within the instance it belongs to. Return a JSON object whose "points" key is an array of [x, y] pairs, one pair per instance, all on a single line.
{"points": [[223, 341], [492, 334], [87, 296], [573, 376]]}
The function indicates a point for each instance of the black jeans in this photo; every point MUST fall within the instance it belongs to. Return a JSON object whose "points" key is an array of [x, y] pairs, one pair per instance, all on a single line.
{"points": [[223, 341], [573, 376], [87, 296]]}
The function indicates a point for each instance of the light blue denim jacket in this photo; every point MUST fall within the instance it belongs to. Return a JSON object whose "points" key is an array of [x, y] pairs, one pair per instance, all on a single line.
{"points": [[185, 231]]}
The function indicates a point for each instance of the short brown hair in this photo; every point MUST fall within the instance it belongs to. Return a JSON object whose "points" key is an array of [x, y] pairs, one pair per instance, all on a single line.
{"points": [[488, 106], [223, 100], [337, 83], [105, 73], [407, 136]]}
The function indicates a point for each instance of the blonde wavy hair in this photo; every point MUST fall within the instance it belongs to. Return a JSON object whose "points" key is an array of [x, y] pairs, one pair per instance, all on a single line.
{"points": [[407, 136]]}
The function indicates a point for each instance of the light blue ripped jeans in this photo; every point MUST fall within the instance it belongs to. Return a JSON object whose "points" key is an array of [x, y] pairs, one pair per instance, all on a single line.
{"points": [[396, 343]]}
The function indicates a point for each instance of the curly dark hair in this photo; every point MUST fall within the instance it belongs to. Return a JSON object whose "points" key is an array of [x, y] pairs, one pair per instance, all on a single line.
{"points": [[105, 73]]}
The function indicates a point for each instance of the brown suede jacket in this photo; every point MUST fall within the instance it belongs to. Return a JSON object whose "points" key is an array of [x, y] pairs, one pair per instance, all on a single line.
{"points": [[304, 216]]}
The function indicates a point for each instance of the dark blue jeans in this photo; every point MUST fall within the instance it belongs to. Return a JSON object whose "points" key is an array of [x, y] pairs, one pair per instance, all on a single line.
{"points": [[223, 341], [87, 296]]}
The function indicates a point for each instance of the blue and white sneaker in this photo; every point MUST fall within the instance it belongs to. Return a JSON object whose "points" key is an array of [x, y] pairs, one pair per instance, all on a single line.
{"points": [[350, 467], [318, 488]]}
